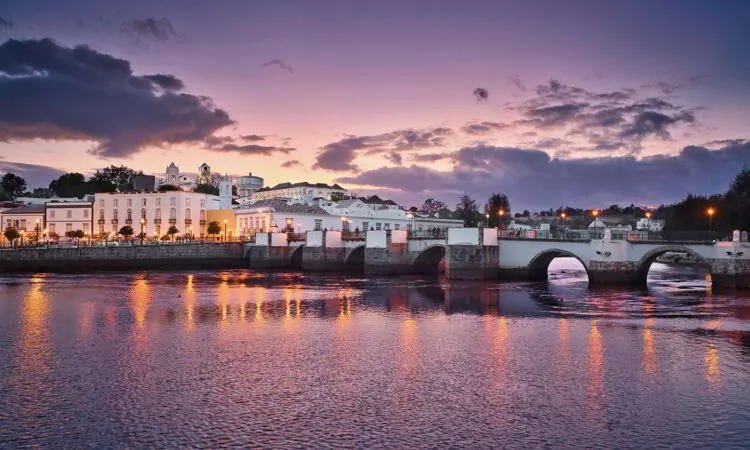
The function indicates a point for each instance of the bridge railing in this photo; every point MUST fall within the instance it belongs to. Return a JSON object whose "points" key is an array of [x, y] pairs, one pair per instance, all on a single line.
{"points": [[615, 235], [296, 237], [353, 235], [437, 233], [560, 235]]}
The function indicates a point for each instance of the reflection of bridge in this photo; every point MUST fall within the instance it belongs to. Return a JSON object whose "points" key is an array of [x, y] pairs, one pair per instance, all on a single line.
{"points": [[472, 253]]}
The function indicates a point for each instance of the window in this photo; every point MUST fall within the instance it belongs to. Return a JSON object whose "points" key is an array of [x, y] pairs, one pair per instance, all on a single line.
{"points": [[114, 228], [101, 203], [203, 215], [85, 213], [69, 214], [68, 227], [203, 203], [172, 213], [158, 230], [318, 224], [23, 224], [346, 226], [130, 214], [114, 203], [85, 228], [8, 223], [143, 214], [158, 202], [172, 201], [263, 224], [101, 214], [101, 229], [289, 224], [187, 213], [187, 201], [378, 225], [387, 226], [158, 213], [397, 226], [114, 214], [143, 202], [365, 226], [52, 228], [130, 202]]}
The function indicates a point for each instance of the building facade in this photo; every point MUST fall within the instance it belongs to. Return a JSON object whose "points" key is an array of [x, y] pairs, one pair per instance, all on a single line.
{"points": [[298, 191], [63, 217], [159, 210]]}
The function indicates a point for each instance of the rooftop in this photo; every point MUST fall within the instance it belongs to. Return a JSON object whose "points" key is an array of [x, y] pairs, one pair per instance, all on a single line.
{"points": [[300, 184], [280, 205], [26, 209]]}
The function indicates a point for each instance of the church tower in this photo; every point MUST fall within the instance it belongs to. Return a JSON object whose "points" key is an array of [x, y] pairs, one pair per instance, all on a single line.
{"points": [[225, 193], [173, 175]]}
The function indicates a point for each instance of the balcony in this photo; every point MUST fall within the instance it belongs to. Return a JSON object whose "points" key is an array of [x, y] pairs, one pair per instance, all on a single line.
{"points": [[173, 221], [203, 223], [101, 221], [188, 221], [157, 221], [128, 221], [115, 222]]}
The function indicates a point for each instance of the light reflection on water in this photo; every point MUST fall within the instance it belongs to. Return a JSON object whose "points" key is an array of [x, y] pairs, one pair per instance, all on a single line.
{"points": [[237, 358]]}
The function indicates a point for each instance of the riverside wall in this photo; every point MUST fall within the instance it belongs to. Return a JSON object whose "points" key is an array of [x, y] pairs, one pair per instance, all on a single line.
{"points": [[226, 255]]}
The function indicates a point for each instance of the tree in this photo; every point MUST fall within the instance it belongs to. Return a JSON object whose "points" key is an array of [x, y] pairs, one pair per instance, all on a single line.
{"points": [[168, 187], [206, 189], [214, 228], [526, 213], [126, 231], [738, 201], [41, 193], [78, 234], [498, 207], [13, 185], [171, 231], [71, 184], [11, 234], [338, 196], [113, 178], [467, 210], [433, 207]]}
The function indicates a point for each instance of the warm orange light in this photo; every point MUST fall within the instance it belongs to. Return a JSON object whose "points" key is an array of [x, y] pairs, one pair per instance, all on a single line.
{"points": [[562, 215], [595, 213], [711, 211], [225, 220], [648, 215], [143, 221], [501, 212]]}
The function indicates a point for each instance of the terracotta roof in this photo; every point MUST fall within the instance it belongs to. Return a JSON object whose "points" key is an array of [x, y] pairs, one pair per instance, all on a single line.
{"points": [[288, 185], [280, 205]]}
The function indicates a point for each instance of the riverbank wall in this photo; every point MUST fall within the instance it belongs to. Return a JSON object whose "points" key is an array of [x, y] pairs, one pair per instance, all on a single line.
{"points": [[227, 255]]}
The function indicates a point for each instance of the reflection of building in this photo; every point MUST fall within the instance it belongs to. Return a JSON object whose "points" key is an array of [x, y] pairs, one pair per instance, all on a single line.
{"points": [[248, 184], [184, 210], [298, 191]]}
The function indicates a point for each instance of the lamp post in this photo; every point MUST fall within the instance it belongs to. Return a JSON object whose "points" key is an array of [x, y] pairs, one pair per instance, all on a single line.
{"points": [[156, 237], [45, 237], [562, 215], [22, 233], [501, 213], [487, 220], [36, 233], [710, 211], [225, 229], [595, 213], [143, 222]]}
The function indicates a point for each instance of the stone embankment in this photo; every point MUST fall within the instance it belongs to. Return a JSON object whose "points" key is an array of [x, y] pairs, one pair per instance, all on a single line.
{"points": [[227, 255]]}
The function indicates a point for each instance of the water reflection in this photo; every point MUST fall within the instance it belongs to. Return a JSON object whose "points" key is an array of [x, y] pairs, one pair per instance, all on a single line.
{"points": [[713, 369], [649, 354], [595, 365], [140, 299]]}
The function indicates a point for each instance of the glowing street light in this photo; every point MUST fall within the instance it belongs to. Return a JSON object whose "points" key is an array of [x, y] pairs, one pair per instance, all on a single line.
{"points": [[710, 211], [225, 229], [143, 222]]}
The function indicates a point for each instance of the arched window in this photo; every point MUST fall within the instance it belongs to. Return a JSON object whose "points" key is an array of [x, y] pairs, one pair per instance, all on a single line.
{"points": [[101, 214], [173, 213], [158, 213], [114, 214], [203, 215], [187, 213], [130, 214], [143, 213]]}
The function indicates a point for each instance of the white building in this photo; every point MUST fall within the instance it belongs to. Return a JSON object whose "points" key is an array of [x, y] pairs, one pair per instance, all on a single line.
{"points": [[648, 224], [248, 184], [24, 218], [63, 217], [159, 210], [349, 215], [298, 191]]}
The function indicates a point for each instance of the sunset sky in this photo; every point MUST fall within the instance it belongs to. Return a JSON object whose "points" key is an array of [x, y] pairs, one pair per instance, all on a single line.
{"points": [[589, 102]]}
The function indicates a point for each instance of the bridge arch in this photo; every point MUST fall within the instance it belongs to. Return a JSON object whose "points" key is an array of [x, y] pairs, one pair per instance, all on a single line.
{"points": [[295, 259], [355, 259], [539, 264], [644, 264], [428, 261]]}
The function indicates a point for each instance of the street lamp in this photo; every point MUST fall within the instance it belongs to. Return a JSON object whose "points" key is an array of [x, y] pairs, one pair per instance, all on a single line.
{"points": [[562, 215], [225, 229], [487, 219], [710, 211], [143, 222], [595, 213], [36, 234]]}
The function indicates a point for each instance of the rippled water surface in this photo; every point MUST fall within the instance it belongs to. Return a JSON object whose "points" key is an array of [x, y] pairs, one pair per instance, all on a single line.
{"points": [[209, 360]]}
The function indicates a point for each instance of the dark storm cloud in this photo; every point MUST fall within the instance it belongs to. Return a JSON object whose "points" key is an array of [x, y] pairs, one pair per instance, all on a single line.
{"points": [[553, 116], [280, 64], [669, 87], [482, 128], [35, 175], [291, 163], [149, 28], [340, 155], [59, 93], [654, 123], [253, 138], [532, 178], [251, 149]]}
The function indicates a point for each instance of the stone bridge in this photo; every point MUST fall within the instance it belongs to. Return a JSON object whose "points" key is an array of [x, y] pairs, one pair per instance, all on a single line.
{"points": [[476, 253]]}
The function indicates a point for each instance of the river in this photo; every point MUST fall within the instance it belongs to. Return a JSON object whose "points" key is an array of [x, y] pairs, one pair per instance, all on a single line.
{"points": [[218, 359]]}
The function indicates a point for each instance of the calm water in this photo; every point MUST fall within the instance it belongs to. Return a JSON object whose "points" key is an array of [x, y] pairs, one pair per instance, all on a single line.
{"points": [[235, 358]]}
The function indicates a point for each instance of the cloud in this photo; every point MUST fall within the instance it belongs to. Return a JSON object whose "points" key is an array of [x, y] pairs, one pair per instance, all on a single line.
{"points": [[339, 156], [35, 175], [534, 179], [149, 28], [58, 93], [395, 158], [280, 64], [516, 82], [291, 163], [253, 138], [252, 149], [5, 23], [431, 157], [481, 94], [482, 128]]}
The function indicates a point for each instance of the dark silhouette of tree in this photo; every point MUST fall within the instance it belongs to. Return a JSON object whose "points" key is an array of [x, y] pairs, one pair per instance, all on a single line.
{"points": [[13, 185], [738, 201], [71, 184], [11, 234], [498, 207], [338, 196], [206, 189], [168, 187], [433, 207], [467, 210], [214, 228], [171, 231], [126, 231], [113, 178]]}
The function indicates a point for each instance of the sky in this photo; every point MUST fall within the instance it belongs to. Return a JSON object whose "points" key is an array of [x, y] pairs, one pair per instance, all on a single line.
{"points": [[584, 103]]}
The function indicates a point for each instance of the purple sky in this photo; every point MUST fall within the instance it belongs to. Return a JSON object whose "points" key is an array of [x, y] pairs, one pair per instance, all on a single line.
{"points": [[589, 102]]}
